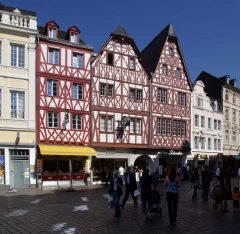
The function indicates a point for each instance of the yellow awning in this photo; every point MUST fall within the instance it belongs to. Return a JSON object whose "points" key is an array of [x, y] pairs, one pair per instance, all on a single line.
{"points": [[65, 150]]}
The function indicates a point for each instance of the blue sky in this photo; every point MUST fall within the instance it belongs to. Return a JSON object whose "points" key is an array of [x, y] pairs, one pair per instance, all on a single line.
{"points": [[208, 30]]}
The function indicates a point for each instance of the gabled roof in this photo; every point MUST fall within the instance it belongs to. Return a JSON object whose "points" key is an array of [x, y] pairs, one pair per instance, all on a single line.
{"points": [[122, 34], [152, 52], [11, 9]]}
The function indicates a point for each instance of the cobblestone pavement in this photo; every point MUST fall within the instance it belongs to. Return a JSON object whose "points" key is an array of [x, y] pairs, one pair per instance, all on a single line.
{"points": [[85, 211]]}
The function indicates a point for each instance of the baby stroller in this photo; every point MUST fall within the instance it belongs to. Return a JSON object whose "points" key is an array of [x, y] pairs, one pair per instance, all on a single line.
{"points": [[155, 207], [217, 195]]}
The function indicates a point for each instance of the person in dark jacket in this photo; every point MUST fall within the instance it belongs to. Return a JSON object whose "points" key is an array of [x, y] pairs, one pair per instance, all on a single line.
{"points": [[206, 180], [146, 182], [131, 186], [116, 192]]}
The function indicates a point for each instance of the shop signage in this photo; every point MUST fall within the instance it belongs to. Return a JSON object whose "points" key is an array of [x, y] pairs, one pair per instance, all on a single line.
{"points": [[22, 157], [173, 152]]}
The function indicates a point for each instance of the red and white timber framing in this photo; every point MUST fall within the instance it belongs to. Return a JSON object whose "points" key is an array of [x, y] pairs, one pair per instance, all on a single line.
{"points": [[63, 103]]}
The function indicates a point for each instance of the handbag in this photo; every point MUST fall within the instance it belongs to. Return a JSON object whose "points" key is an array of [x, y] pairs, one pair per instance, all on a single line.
{"points": [[136, 193], [110, 201]]}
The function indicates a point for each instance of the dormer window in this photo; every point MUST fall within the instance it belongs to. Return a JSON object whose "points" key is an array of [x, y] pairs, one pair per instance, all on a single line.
{"points": [[110, 59], [74, 37], [52, 32]]}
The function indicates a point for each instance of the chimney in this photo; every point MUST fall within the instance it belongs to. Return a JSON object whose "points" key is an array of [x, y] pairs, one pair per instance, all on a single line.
{"points": [[233, 82]]}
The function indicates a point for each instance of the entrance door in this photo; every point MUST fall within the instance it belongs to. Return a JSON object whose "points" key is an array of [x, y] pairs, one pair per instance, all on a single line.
{"points": [[20, 173]]}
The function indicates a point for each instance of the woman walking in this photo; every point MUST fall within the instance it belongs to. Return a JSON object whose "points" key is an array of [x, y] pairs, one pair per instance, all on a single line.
{"points": [[172, 182]]}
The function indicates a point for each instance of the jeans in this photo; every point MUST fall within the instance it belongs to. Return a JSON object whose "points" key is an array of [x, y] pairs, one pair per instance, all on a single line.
{"points": [[146, 203], [116, 204], [172, 200], [194, 196]]}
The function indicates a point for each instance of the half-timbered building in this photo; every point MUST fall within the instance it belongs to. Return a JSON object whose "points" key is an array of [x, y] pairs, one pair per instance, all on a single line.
{"points": [[63, 104], [120, 103], [170, 106]]}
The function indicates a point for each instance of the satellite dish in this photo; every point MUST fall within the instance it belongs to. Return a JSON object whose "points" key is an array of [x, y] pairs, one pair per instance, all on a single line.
{"points": [[125, 121]]}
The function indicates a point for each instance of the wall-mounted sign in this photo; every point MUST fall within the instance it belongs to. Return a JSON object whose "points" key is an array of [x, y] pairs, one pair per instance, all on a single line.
{"points": [[173, 152]]}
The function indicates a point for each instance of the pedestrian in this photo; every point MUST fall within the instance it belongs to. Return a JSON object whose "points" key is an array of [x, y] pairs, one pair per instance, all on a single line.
{"points": [[236, 198], [116, 192], [172, 183], [130, 187], [121, 171], [226, 186], [206, 179], [195, 183], [145, 184], [108, 177]]}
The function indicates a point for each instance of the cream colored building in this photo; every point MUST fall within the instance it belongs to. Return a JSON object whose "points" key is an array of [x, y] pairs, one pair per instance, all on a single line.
{"points": [[18, 31]]}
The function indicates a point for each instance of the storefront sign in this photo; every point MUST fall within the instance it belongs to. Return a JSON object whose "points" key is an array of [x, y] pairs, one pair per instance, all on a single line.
{"points": [[20, 157], [173, 152]]}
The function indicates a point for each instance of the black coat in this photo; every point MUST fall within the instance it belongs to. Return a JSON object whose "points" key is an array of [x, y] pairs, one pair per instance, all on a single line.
{"points": [[133, 184], [119, 186]]}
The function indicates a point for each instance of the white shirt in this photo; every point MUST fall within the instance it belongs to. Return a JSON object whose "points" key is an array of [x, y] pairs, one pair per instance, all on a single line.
{"points": [[121, 171]]}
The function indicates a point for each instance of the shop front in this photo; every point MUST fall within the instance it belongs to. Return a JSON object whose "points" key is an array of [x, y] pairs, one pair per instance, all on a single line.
{"points": [[62, 166]]}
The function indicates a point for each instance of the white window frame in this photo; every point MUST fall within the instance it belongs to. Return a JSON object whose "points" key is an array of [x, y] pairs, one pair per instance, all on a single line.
{"points": [[215, 144], [219, 144], [234, 116], [227, 114], [77, 91], [179, 73], [209, 143], [17, 107], [164, 70], [52, 32], [106, 123], [17, 56], [196, 120], [196, 142], [73, 37], [209, 123], [171, 52], [234, 137], [76, 122], [52, 88], [132, 63], [219, 125], [227, 136], [215, 125], [53, 56], [162, 95], [202, 143], [199, 102], [202, 122], [53, 119], [77, 60]]}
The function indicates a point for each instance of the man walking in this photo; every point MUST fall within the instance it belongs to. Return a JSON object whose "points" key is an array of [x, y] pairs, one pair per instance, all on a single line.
{"points": [[131, 186]]}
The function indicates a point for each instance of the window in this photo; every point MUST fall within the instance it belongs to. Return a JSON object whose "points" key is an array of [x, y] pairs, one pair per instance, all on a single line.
{"points": [[174, 131], [199, 102], [52, 120], [219, 125], [0, 52], [132, 64], [169, 126], [202, 122], [52, 88], [226, 95], [74, 37], [106, 90], [77, 60], [52, 32], [178, 73], [171, 52], [53, 56], [164, 70], [234, 138], [202, 143], [158, 126], [110, 59], [135, 94], [227, 114], [135, 126], [209, 123], [17, 55], [78, 91], [17, 104], [215, 106], [219, 144], [162, 95], [164, 126], [234, 116], [215, 124], [227, 137], [234, 98], [215, 144], [196, 120], [106, 123], [196, 143], [76, 122], [209, 143], [181, 99]]}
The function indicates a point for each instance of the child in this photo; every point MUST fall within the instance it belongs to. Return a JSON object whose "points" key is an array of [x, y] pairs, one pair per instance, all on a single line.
{"points": [[236, 198]]}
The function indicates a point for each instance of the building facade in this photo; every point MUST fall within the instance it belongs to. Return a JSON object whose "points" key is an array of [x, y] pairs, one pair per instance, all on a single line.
{"points": [[170, 100], [225, 91], [207, 129], [63, 105], [120, 104], [18, 31]]}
